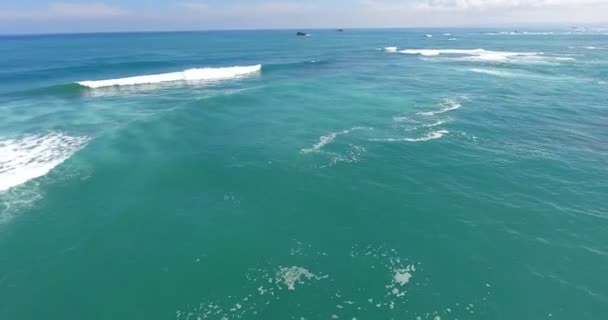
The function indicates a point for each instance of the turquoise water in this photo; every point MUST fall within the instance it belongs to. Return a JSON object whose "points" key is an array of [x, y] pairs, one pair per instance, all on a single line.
{"points": [[342, 179]]}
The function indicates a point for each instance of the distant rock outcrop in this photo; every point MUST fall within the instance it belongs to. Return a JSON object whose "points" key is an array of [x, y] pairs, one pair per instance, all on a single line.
{"points": [[301, 34]]}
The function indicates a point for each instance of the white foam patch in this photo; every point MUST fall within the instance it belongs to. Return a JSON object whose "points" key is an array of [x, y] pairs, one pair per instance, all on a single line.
{"points": [[403, 276], [329, 138], [33, 156], [323, 141], [202, 74], [494, 72], [434, 124], [390, 49], [291, 276], [430, 136], [548, 33], [447, 105], [353, 154], [473, 54], [396, 279]]}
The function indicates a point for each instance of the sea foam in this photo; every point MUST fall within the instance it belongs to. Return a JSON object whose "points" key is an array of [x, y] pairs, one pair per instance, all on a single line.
{"points": [[201, 74], [33, 156], [447, 105], [329, 138], [429, 136], [472, 54], [494, 72]]}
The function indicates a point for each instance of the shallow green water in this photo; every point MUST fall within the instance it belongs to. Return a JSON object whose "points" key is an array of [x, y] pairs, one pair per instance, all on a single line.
{"points": [[342, 180]]}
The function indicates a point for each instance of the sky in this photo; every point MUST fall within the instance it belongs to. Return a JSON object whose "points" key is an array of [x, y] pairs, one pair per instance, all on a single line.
{"points": [[44, 16]]}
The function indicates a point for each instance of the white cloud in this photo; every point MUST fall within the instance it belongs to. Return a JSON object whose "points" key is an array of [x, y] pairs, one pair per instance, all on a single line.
{"points": [[494, 4], [242, 14], [65, 11], [487, 12]]}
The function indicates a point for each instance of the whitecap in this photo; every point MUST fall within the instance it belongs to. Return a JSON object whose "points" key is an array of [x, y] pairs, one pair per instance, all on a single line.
{"points": [[493, 72], [323, 141], [430, 136], [403, 275], [202, 74], [29, 157], [400, 118], [329, 138], [390, 49], [291, 276], [434, 124], [473, 54], [447, 104]]}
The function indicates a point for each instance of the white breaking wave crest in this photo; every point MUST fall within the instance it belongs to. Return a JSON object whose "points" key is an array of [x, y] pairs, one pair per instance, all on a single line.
{"points": [[489, 56], [498, 73], [447, 104], [472, 54], [390, 49], [202, 74], [548, 33], [429, 136], [327, 139], [33, 156]]}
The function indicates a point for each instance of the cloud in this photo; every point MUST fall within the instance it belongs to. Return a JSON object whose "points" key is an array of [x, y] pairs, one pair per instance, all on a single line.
{"points": [[65, 11], [70, 15], [487, 12], [497, 4]]}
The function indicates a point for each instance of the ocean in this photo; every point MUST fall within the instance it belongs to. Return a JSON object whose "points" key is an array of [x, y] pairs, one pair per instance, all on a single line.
{"points": [[365, 174]]}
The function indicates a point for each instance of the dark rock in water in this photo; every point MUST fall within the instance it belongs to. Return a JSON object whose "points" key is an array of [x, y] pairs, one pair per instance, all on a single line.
{"points": [[301, 34], [340, 30]]}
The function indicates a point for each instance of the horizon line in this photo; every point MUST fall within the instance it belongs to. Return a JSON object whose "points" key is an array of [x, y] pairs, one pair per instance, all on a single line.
{"points": [[480, 27]]}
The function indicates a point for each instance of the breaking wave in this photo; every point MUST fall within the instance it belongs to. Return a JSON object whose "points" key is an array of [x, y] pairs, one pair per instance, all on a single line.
{"points": [[202, 74], [480, 54], [30, 157]]}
